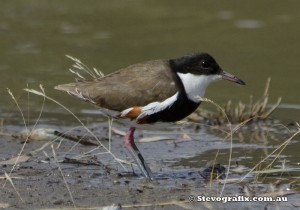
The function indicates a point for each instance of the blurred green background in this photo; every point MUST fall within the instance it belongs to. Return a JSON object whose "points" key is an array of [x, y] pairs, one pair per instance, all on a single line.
{"points": [[252, 39]]}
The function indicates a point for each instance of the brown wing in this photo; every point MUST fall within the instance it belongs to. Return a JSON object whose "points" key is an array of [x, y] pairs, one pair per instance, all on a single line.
{"points": [[136, 85]]}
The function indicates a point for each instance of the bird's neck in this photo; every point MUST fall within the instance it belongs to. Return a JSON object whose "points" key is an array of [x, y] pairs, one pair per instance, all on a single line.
{"points": [[194, 85]]}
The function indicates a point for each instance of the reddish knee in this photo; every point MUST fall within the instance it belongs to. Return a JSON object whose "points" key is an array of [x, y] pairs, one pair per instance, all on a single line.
{"points": [[129, 139]]}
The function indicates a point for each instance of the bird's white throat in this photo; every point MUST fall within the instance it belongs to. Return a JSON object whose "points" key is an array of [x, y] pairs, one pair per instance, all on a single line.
{"points": [[195, 85]]}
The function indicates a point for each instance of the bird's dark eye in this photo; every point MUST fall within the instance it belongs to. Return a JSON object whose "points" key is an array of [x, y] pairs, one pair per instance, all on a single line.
{"points": [[204, 64]]}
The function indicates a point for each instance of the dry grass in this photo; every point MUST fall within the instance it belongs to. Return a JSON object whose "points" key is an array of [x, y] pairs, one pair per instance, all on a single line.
{"points": [[79, 67], [228, 114], [241, 112], [264, 166]]}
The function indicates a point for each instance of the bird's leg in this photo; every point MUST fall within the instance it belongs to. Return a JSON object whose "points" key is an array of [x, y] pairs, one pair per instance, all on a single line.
{"points": [[136, 154]]}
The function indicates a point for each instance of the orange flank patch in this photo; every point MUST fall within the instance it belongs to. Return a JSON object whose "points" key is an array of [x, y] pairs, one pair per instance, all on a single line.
{"points": [[133, 113]]}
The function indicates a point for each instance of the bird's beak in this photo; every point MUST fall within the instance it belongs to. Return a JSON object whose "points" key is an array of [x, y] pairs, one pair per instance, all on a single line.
{"points": [[232, 78]]}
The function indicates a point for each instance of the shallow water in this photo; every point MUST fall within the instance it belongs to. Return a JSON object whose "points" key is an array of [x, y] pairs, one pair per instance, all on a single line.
{"points": [[178, 164], [245, 38], [250, 42]]}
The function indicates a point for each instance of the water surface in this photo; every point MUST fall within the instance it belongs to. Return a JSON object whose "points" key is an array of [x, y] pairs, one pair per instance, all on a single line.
{"points": [[252, 39]]}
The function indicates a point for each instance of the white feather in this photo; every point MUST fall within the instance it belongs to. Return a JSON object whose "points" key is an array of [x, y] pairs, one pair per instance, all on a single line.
{"points": [[125, 112], [195, 85], [155, 107]]}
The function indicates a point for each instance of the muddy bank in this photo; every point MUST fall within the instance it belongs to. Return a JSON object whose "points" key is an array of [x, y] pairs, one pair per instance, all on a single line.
{"points": [[66, 174]]}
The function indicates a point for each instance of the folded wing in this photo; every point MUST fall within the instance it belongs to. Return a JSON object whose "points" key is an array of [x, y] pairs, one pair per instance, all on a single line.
{"points": [[136, 85]]}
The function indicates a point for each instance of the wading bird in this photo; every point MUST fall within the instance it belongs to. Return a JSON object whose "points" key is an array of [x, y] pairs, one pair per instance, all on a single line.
{"points": [[153, 91]]}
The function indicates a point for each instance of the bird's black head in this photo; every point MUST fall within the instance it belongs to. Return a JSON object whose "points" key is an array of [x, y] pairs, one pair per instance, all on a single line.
{"points": [[202, 64], [198, 64]]}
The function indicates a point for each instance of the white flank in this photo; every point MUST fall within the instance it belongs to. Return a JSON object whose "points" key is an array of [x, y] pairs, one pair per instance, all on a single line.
{"points": [[155, 107], [195, 85]]}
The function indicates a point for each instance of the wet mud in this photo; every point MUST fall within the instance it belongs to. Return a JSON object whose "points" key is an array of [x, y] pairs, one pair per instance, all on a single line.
{"points": [[56, 173]]}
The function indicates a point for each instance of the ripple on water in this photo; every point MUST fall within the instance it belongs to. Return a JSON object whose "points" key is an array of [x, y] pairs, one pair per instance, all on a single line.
{"points": [[249, 24]]}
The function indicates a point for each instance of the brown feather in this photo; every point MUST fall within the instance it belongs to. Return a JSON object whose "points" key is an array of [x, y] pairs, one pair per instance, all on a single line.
{"points": [[135, 85], [133, 113]]}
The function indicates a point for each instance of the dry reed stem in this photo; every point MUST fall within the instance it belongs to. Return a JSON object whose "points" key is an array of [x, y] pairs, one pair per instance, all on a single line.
{"points": [[63, 176], [26, 127], [282, 146], [80, 66], [7, 176], [82, 124], [242, 112]]}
